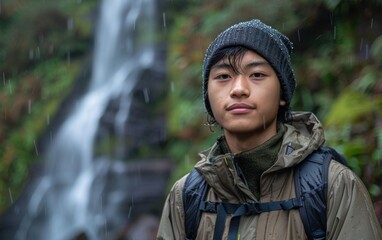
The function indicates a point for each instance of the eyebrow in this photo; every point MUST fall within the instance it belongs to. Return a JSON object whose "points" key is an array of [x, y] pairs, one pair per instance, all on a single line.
{"points": [[221, 65], [256, 63]]}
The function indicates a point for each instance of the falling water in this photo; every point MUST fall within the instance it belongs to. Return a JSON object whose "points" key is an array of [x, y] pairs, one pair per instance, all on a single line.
{"points": [[80, 194]]}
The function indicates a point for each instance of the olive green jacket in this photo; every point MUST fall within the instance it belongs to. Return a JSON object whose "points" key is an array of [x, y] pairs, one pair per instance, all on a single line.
{"points": [[350, 213]]}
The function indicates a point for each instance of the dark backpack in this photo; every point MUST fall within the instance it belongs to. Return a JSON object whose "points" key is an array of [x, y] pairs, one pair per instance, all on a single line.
{"points": [[310, 179]]}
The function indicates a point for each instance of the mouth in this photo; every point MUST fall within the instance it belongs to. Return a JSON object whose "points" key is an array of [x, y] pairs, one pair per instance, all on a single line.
{"points": [[240, 108]]}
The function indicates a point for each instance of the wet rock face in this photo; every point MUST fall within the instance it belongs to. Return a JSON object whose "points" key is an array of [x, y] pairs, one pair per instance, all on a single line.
{"points": [[146, 116], [146, 125]]}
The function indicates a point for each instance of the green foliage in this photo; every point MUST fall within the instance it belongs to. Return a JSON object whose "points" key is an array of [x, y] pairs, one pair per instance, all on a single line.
{"points": [[43, 46], [351, 107], [20, 151], [57, 31], [376, 49]]}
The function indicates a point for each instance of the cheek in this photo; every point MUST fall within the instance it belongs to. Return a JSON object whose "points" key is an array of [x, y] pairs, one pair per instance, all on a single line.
{"points": [[214, 100], [213, 94], [269, 98]]}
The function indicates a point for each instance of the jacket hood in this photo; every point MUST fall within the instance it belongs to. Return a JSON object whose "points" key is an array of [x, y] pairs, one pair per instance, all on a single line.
{"points": [[304, 134]]}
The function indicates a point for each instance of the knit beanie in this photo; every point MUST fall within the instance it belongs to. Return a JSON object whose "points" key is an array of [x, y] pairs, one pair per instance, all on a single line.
{"points": [[265, 41]]}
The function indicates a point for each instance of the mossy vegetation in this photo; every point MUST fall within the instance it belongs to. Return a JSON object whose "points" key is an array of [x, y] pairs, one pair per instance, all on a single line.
{"points": [[43, 47]]}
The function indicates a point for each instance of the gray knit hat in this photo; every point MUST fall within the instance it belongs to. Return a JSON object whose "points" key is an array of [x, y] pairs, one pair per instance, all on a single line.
{"points": [[264, 40]]}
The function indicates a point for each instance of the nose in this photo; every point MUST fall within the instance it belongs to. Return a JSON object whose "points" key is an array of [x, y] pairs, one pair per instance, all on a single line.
{"points": [[240, 87]]}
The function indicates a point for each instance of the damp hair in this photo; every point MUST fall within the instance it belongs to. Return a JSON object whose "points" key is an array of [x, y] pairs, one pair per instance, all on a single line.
{"points": [[234, 55]]}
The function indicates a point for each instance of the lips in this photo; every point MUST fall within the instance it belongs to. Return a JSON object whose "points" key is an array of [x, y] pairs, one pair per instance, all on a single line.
{"points": [[240, 108]]}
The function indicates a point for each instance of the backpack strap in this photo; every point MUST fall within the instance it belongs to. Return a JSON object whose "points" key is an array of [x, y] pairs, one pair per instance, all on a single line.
{"points": [[236, 210], [194, 192], [311, 184], [194, 204]]}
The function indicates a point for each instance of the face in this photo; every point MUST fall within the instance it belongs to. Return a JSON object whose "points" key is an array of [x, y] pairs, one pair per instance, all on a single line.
{"points": [[245, 101]]}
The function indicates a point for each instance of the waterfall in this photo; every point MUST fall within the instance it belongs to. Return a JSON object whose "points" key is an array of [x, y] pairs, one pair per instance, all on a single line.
{"points": [[80, 193]]}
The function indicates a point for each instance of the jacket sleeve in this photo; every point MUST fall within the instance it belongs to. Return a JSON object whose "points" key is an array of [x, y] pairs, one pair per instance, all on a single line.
{"points": [[350, 211], [171, 225]]}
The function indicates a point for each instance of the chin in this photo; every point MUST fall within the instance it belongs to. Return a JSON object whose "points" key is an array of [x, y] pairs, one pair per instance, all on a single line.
{"points": [[250, 126], [242, 128]]}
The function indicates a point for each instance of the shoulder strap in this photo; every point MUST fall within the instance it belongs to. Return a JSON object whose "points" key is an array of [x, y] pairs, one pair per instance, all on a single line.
{"points": [[194, 204], [194, 191], [311, 183]]}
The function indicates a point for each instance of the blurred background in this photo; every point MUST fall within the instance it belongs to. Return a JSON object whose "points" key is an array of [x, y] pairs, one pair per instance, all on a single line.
{"points": [[47, 52]]}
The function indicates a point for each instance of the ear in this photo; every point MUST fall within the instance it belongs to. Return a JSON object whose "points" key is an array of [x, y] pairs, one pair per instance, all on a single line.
{"points": [[282, 103]]}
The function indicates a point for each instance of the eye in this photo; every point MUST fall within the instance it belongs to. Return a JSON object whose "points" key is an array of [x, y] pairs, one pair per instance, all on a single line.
{"points": [[223, 77], [258, 75]]}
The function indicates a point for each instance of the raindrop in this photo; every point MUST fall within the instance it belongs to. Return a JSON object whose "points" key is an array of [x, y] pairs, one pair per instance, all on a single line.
{"points": [[360, 46], [10, 87], [35, 147], [146, 95], [367, 51], [298, 34], [38, 52], [331, 19], [10, 195], [4, 79], [372, 22], [172, 86], [31, 54], [129, 214], [70, 24], [164, 20]]}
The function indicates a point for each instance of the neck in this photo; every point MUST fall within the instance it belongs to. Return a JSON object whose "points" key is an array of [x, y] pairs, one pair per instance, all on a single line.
{"points": [[239, 142]]}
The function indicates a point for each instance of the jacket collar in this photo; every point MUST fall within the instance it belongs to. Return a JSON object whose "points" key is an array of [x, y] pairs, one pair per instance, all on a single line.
{"points": [[303, 135]]}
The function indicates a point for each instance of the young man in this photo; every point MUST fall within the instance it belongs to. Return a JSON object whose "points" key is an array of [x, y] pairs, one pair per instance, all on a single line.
{"points": [[248, 84]]}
